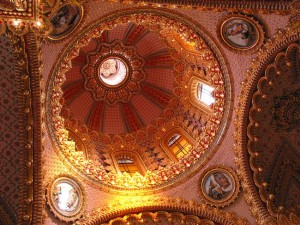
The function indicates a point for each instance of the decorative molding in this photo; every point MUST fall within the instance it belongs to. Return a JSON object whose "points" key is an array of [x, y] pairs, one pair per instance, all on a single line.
{"points": [[215, 70], [250, 7], [242, 27], [133, 205], [217, 193], [280, 41], [37, 108]]}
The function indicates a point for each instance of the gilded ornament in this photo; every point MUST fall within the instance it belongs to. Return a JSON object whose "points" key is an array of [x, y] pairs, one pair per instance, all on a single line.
{"points": [[218, 185], [272, 48], [66, 197], [193, 212], [240, 33], [216, 73]]}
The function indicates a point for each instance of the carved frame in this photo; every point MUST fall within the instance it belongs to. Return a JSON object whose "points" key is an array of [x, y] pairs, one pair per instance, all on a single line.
{"points": [[231, 174]]}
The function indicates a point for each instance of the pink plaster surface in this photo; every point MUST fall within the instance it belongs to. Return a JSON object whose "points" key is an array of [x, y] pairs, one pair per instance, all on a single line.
{"points": [[237, 65]]}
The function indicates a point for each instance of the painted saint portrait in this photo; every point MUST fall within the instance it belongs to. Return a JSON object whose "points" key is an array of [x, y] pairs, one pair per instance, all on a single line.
{"points": [[219, 185], [64, 20], [241, 32], [65, 198]]}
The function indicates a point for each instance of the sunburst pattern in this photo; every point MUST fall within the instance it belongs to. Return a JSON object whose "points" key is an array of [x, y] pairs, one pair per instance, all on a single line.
{"points": [[105, 113]]}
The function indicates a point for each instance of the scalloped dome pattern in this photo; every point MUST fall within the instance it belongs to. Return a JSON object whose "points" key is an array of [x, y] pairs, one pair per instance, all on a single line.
{"points": [[130, 106]]}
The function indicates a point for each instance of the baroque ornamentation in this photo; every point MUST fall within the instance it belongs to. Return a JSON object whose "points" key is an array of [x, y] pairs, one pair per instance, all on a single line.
{"points": [[219, 5], [286, 111], [273, 83], [240, 33], [133, 72], [66, 197], [27, 163], [274, 158], [218, 185], [194, 213], [196, 58], [160, 217]]}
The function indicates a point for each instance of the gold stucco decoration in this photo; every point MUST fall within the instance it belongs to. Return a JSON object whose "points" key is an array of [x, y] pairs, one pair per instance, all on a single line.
{"points": [[193, 212], [193, 49], [66, 197], [257, 75], [218, 185]]}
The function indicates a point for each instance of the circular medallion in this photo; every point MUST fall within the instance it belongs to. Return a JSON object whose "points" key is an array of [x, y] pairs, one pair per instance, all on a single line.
{"points": [[219, 185], [112, 71], [64, 20], [65, 198], [241, 33]]}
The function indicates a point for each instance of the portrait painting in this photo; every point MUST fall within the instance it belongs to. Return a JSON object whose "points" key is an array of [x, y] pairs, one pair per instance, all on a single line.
{"points": [[218, 185], [65, 20], [65, 198], [240, 32]]}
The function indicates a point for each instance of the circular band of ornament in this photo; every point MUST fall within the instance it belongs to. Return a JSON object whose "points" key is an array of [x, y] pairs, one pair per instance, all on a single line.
{"points": [[218, 185], [113, 72], [215, 71], [241, 33], [66, 198]]}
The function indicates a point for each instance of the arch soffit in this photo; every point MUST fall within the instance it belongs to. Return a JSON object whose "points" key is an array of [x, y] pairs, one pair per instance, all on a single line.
{"points": [[155, 204], [266, 55]]}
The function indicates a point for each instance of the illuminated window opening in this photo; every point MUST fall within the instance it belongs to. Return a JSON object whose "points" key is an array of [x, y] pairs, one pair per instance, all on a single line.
{"points": [[128, 166], [129, 162], [179, 145], [205, 93], [201, 94]]}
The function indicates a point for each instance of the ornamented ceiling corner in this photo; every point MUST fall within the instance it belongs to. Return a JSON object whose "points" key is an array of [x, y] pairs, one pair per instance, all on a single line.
{"points": [[261, 73]]}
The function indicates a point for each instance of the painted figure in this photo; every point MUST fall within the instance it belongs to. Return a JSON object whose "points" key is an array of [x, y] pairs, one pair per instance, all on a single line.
{"points": [[240, 33], [219, 185], [65, 19]]}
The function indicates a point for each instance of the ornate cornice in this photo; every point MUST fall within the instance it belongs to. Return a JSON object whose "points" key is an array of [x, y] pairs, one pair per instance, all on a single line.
{"points": [[250, 7], [131, 205]]}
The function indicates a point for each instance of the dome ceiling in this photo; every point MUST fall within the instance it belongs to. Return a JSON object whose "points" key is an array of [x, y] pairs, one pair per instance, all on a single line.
{"points": [[112, 101], [121, 87]]}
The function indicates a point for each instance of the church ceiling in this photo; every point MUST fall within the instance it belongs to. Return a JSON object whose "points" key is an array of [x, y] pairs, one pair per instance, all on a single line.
{"points": [[149, 101], [121, 83]]}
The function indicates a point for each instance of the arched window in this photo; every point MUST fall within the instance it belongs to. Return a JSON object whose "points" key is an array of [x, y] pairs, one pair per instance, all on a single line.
{"points": [[201, 94], [129, 163], [205, 93], [177, 143]]}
